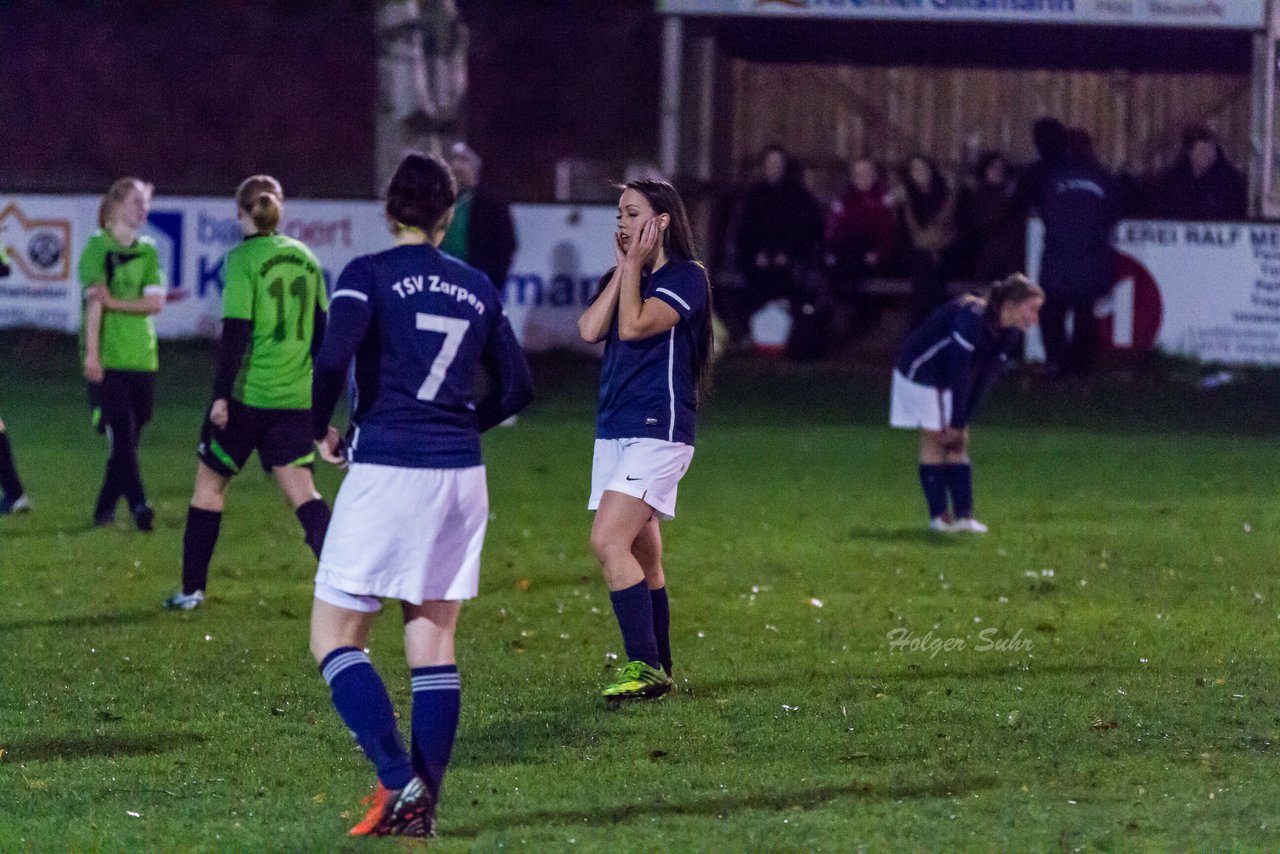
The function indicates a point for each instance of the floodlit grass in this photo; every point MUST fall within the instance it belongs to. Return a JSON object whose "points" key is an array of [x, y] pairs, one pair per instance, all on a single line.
{"points": [[1131, 565]]}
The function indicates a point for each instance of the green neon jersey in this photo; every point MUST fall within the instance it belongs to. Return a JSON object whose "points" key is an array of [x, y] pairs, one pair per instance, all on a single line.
{"points": [[275, 282], [127, 341]]}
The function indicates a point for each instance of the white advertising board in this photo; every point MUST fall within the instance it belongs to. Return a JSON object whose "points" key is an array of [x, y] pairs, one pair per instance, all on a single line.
{"points": [[1209, 291], [1196, 14], [563, 252]]}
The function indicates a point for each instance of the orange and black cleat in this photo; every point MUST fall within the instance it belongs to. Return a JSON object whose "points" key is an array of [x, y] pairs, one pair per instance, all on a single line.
{"points": [[407, 812]]}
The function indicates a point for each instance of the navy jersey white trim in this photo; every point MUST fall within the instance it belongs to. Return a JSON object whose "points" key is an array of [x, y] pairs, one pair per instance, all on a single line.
{"points": [[956, 350], [648, 387], [418, 325]]}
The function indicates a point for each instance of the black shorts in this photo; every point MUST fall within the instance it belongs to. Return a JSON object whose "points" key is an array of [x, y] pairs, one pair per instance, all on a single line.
{"points": [[282, 437]]}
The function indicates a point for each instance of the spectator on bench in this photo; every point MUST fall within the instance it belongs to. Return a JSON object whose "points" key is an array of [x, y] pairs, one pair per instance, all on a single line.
{"points": [[1201, 184]]}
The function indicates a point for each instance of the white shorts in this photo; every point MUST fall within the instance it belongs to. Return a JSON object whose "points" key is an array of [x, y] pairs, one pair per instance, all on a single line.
{"points": [[648, 469], [914, 406], [404, 533]]}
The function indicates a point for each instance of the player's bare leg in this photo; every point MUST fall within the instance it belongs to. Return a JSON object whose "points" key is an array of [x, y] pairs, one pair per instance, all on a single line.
{"points": [[200, 536], [299, 488], [619, 521], [401, 804]]}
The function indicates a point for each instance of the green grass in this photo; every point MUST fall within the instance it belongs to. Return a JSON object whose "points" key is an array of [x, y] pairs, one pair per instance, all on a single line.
{"points": [[1143, 715]]}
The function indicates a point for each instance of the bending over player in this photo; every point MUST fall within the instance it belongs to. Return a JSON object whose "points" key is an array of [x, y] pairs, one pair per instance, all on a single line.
{"points": [[945, 368], [410, 518]]}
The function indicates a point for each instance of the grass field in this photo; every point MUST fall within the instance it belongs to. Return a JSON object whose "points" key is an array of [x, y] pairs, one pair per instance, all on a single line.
{"points": [[1132, 564]]}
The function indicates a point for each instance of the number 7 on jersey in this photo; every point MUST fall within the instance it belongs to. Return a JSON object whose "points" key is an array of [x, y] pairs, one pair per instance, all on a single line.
{"points": [[453, 329]]}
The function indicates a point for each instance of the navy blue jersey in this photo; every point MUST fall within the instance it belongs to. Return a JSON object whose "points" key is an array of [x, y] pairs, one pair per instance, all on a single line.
{"points": [[956, 350], [418, 324], [649, 387]]}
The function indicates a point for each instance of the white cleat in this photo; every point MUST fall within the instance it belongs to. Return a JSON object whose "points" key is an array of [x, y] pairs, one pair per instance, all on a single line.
{"points": [[942, 525], [183, 602], [968, 525]]}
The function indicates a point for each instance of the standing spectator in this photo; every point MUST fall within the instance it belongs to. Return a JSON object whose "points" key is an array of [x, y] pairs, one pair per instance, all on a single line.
{"points": [[482, 232], [1080, 206], [1201, 184], [860, 233], [929, 212], [779, 227], [1050, 138], [994, 232]]}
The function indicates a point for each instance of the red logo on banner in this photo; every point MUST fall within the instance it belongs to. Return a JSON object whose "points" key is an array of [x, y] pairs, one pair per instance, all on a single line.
{"points": [[1129, 316]]}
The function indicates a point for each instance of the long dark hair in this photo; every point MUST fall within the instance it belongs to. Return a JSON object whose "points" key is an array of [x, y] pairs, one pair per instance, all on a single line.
{"points": [[1014, 289], [677, 244]]}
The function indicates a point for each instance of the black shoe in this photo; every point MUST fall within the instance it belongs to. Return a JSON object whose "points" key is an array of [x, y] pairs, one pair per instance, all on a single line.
{"points": [[144, 517], [104, 519]]}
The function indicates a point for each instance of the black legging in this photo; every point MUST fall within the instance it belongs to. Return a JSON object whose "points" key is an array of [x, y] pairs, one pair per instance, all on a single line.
{"points": [[126, 399]]}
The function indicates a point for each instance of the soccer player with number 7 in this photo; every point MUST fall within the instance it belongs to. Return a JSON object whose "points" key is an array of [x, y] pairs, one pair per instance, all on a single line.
{"points": [[273, 319], [410, 518]]}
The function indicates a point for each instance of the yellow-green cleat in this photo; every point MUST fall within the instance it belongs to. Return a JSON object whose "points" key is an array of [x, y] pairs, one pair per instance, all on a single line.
{"points": [[638, 681]]}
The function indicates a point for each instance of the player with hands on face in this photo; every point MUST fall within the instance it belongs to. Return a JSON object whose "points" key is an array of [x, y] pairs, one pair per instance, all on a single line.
{"points": [[653, 313], [945, 368]]}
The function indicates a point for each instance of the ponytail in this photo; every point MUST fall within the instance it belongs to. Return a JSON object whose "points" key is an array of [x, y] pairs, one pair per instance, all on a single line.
{"points": [[1015, 289], [262, 198]]}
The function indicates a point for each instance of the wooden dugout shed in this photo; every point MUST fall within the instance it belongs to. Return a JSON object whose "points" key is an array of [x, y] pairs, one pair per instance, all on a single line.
{"points": [[836, 79]]}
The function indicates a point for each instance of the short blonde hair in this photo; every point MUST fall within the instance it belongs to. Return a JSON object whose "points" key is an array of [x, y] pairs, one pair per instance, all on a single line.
{"points": [[117, 193]]}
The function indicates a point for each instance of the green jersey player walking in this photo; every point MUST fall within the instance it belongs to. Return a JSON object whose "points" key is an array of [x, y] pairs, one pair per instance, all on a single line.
{"points": [[273, 316], [120, 271]]}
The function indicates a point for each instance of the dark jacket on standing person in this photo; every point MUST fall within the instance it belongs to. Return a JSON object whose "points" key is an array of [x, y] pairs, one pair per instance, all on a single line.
{"points": [[1050, 137], [777, 218], [1080, 206], [1219, 193], [491, 236]]}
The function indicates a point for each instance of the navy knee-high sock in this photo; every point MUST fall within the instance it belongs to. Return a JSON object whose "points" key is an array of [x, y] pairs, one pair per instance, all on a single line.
{"points": [[362, 702], [662, 625], [634, 609], [314, 518], [10, 483], [933, 482], [198, 540], [960, 485], [437, 701]]}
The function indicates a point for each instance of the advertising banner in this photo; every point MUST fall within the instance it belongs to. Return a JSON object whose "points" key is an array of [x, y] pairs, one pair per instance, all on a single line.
{"points": [[1197, 14], [42, 236], [1209, 291], [564, 250]]}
